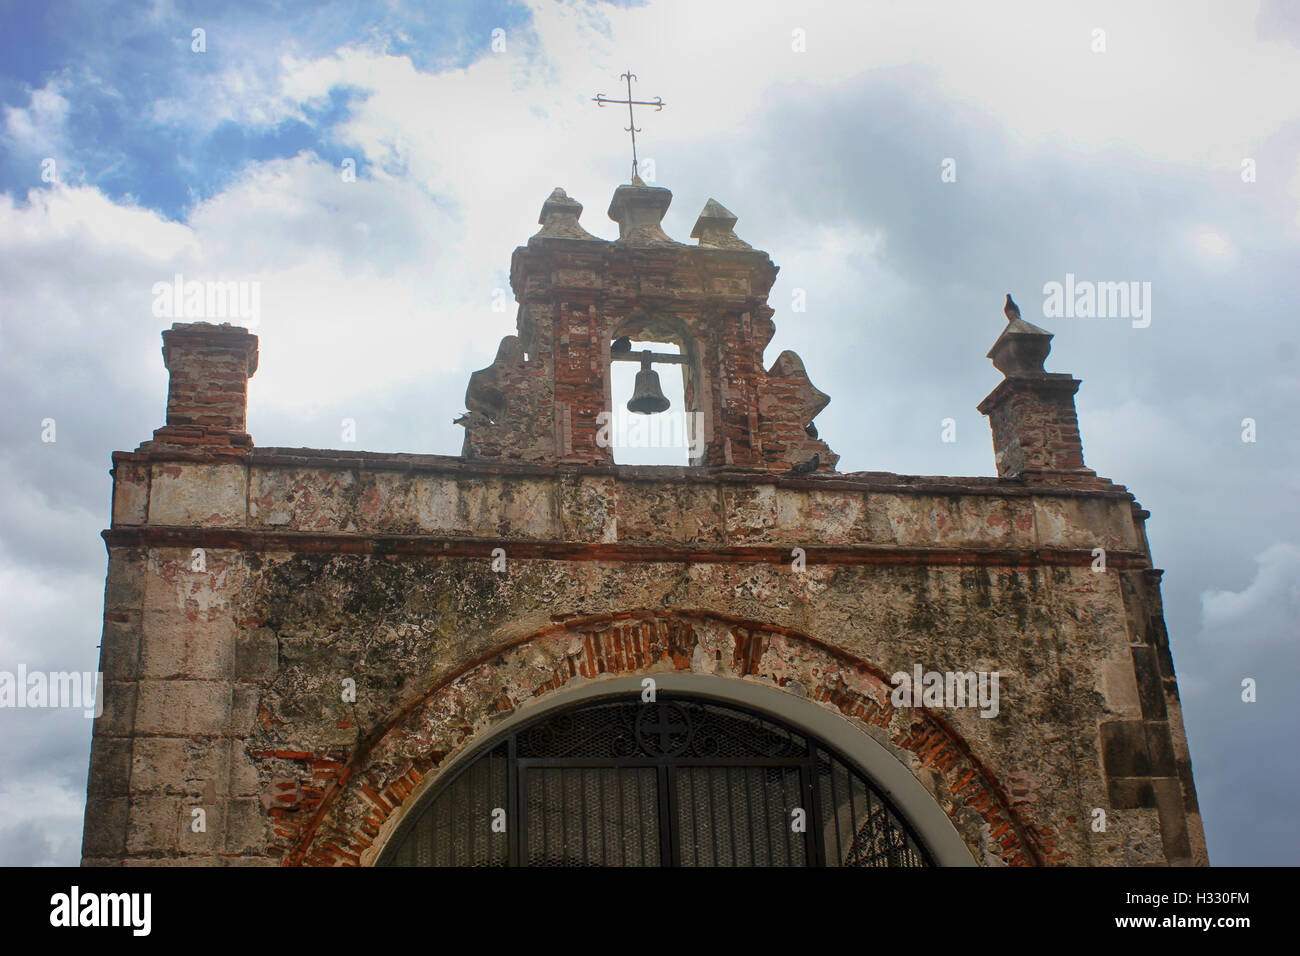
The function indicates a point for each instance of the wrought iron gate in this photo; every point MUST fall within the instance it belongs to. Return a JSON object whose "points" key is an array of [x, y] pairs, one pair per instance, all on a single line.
{"points": [[682, 781]]}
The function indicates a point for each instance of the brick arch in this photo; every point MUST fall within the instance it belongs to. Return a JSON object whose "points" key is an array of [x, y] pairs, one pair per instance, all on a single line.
{"points": [[359, 803]]}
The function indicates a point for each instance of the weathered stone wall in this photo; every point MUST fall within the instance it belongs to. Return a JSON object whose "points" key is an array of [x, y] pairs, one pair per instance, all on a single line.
{"points": [[224, 666]]}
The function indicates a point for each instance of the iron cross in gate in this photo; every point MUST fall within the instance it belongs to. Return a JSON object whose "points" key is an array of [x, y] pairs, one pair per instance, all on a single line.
{"points": [[601, 99], [659, 720]]}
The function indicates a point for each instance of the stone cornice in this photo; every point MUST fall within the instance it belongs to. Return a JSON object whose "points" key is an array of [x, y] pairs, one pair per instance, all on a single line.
{"points": [[424, 545], [863, 481]]}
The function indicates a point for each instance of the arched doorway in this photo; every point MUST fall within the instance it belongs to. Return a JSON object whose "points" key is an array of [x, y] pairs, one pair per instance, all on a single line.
{"points": [[687, 779]]}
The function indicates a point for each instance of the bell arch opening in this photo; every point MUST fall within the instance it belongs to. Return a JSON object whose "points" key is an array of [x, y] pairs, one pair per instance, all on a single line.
{"points": [[676, 435], [656, 435], [699, 776]]}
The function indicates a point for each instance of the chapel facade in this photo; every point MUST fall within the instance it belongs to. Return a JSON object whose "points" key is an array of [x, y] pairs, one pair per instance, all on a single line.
{"points": [[529, 654]]}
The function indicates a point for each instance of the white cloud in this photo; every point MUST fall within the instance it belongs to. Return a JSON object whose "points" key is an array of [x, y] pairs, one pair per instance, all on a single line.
{"points": [[42, 821], [1026, 64], [1213, 245], [1267, 609], [37, 130]]}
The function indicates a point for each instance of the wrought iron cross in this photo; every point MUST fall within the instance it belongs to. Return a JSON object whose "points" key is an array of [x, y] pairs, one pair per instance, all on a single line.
{"points": [[656, 720], [601, 99]]}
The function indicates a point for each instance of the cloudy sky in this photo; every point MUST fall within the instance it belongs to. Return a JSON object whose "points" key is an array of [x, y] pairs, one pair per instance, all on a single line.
{"points": [[1163, 149]]}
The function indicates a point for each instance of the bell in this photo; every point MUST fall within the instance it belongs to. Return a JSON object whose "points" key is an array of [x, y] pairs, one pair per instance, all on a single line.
{"points": [[647, 397]]}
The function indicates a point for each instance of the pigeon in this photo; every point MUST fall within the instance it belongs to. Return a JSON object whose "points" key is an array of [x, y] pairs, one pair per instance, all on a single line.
{"points": [[807, 467], [622, 344], [811, 429], [1011, 309]]}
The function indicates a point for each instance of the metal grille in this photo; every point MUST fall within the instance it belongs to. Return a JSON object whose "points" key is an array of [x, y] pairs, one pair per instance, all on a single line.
{"points": [[685, 781], [591, 816], [735, 816], [455, 829]]}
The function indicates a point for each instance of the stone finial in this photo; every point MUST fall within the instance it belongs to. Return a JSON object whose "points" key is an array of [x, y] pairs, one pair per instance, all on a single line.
{"points": [[639, 209], [1032, 414], [559, 218], [716, 228], [1022, 347]]}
